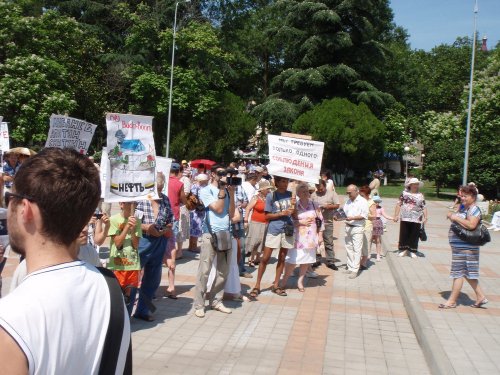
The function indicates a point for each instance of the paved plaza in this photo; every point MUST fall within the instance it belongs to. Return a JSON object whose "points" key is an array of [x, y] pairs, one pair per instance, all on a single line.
{"points": [[384, 322]]}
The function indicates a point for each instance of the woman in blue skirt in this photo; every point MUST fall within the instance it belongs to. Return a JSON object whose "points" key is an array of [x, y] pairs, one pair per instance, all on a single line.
{"points": [[465, 257]]}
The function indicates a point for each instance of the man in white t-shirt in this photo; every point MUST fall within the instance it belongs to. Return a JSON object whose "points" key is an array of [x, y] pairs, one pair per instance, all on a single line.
{"points": [[56, 321], [356, 210], [250, 185]]}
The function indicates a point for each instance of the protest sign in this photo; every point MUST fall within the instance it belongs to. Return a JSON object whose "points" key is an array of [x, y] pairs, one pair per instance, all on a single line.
{"points": [[299, 159], [68, 132], [4, 136], [103, 171], [163, 165], [131, 169]]}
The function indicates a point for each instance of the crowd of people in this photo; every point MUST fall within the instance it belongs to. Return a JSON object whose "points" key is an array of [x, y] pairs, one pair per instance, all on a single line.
{"points": [[236, 212]]}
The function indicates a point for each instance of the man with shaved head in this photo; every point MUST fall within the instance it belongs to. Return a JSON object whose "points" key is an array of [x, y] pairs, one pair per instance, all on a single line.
{"points": [[356, 210]]}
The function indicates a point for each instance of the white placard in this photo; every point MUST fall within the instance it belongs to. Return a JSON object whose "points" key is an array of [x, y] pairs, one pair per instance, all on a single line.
{"points": [[103, 170], [295, 158], [131, 170], [4, 136], [163, 165], [69, 132]]}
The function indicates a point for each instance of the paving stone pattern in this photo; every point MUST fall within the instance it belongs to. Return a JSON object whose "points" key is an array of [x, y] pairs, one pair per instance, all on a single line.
{"points": [[338, 326], [469, 336]]}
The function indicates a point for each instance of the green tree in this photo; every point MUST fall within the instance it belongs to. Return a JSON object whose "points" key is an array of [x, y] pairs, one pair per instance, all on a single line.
{"points": [[223, 131], [326, 46], [353, 136], [443, 135], [49, 65]]}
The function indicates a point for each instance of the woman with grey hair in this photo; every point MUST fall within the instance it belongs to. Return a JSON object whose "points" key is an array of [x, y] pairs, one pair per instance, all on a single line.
{"points": [[413, 214]]}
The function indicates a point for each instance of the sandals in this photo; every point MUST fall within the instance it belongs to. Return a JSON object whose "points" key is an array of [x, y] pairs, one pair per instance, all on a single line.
{"points": [[255, 292], [480, 304], [278, 291], [170, 295], [445, 306]]}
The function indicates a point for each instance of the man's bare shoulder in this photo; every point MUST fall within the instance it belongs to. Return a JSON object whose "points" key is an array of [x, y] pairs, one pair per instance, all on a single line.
{"points": [[12, 357]]}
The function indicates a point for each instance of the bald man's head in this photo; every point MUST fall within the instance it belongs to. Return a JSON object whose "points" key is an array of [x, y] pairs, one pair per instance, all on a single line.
{"points": [[352, 191]]}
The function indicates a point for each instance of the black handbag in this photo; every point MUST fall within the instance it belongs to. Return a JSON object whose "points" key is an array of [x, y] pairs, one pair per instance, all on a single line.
{"points": [[422, 235], [476, 237]]}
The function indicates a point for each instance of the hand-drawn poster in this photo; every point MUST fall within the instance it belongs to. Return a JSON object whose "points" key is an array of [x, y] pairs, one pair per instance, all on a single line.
{"points": [[131, 172], [69, 132]]}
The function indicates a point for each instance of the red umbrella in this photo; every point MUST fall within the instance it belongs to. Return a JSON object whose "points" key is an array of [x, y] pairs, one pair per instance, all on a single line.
{"points": [[202, 163]]}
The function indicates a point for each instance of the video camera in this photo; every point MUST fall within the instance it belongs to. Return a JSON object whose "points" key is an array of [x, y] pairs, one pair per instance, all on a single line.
{"points": [[230, 175]]}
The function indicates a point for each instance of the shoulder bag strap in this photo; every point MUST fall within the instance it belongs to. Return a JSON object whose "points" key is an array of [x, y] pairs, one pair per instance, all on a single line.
{"points": [[113, 340]]}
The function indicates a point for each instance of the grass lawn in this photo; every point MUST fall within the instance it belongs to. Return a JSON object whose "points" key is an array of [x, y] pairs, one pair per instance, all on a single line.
{"points": [[393, 190]]}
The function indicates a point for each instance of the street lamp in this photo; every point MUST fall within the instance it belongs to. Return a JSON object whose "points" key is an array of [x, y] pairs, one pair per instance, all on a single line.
{"points": [[469, 108], [407, 149], [172, 77]]}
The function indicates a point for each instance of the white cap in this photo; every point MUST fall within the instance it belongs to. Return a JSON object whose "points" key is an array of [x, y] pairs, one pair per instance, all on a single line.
{"points": [[202, 177]]}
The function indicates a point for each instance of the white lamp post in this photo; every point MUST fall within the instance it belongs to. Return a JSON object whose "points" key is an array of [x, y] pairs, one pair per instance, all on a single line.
{"points": [[172, 77], [469, 108], [407, 149]]}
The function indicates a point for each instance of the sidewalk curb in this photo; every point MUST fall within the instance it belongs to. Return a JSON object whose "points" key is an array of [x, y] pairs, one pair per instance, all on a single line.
{"points": [[436, 357]]}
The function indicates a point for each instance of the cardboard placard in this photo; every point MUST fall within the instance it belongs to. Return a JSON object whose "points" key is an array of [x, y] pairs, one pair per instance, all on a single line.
{"points": [[69, 132], [295, 158]]}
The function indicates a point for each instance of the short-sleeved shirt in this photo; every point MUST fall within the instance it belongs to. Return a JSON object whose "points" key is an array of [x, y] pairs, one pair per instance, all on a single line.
{"points": [[174, 192], [10, 171], [330, 197], [412, 206], [165, 214], [277, 202], [369, 223], [126, 258], [356, 207], [218, 222]]}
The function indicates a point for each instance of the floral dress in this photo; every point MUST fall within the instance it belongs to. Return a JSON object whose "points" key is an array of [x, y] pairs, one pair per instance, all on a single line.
{"points": [[306, 237], [196, 216]]}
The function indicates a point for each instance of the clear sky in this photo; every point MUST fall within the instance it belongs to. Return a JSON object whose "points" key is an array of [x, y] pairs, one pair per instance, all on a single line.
{"points": [[434, 22]]}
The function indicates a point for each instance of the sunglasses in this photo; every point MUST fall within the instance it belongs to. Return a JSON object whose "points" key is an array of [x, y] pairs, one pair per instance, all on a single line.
{"points": [[9, 196]]}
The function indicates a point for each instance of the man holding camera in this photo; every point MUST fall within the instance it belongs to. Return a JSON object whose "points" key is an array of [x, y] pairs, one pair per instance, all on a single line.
{"points": [[218, 199], [279, 208]]}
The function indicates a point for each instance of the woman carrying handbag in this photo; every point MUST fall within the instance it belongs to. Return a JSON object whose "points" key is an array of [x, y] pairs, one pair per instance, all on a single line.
{"points": [[465, 256]]}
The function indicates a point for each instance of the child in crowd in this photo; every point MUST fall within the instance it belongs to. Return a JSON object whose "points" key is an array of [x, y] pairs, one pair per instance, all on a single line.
{"points": [[379, 226], [125, 231]]}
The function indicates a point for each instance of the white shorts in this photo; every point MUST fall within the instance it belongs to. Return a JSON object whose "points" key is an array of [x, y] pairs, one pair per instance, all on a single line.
{"points": [[278, 241]]}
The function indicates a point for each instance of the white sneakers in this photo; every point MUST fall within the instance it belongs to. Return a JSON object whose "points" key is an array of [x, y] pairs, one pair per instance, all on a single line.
{"points": [[405, 252], [223, 309], [200, 313]]}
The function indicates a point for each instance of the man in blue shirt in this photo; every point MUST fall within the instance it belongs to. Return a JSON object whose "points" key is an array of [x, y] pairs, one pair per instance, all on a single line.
{"points": [[279, 208], [218, 199]]}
